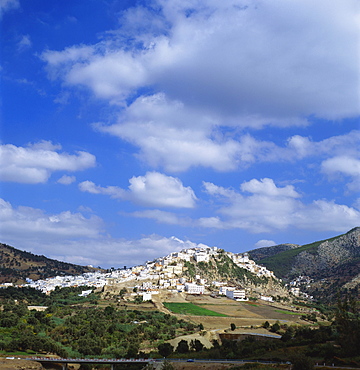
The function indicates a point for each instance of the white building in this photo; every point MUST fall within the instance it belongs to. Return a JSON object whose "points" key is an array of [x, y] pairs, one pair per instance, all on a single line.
{"points": [[237, 294], [146, 296], [201, 257], [194, 288], [266, 298], [223, 289]]}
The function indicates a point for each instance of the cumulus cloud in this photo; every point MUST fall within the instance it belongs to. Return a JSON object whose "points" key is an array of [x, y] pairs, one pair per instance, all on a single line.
{"points": [[267, 187], [74, 238], [112, 252], [344, 166], [152, 190], [271, 208], [216, 68], [172, 136], [176, 138], [36, 162], [264, 243], [254, 60], [66, 180], [19, 224]]}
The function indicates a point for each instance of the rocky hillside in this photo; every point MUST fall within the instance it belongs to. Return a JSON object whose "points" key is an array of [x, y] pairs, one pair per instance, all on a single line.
{"points": [[265, 252], [16, 266], [222, 268], [332, 264]]}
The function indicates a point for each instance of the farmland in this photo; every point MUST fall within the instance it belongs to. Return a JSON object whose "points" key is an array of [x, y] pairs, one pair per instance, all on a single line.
{"points": [[191, 309]]}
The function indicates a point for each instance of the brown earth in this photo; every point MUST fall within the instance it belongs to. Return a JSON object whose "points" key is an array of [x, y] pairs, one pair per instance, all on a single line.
{"points": [[242, 314], [14, 364]]}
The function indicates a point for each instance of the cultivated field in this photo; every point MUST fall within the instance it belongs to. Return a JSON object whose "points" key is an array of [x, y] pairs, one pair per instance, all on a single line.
{"points": [[242, 314]]}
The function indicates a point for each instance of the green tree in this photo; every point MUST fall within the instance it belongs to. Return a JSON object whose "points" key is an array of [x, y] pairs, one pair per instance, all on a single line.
{"points": [[301, 362], [289, 334], [232, 326], [196, 345], [275, 327], [165, 349], [182, 347]]}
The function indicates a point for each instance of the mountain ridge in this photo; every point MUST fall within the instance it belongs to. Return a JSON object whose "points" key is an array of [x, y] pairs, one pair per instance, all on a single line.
{"points": [[17, 265], [333, 264]]}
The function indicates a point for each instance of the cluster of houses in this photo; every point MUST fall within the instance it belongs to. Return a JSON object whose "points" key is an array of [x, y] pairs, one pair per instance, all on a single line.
{"points": [[165, 273], [296, 285]]}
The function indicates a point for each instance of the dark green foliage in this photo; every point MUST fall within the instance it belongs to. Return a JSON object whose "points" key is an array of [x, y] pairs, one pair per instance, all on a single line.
{"points": [[84, 331], [347, 324], [302, 362], [18, 265], [182, 346], [190, 269], [165, 349], [275, 327], [196, 345], [232, 326]]}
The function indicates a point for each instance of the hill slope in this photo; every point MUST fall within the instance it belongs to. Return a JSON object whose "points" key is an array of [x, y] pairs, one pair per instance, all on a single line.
{"points": [[333, 263], [16, 266]]}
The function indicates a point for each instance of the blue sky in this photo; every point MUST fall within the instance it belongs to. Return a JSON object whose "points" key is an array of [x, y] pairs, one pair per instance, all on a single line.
{"points": [[133, 129]]}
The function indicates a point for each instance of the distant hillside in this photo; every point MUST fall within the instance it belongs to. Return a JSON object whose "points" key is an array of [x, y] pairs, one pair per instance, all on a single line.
{"points": [[17, 265], [333, 263], [266, 252]]}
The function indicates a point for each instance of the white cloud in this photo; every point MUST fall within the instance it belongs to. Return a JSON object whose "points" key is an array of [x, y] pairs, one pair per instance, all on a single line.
{"points": [[36, 162], [218, 67], [261, 62], [270, 208], [327, 216], [172, 136], [264, 243], [344, 166], [73, 238], [267, 187], [121, 252], [112, 191], [152, 190], [66, 180], [24, 43], [6, 5], [34, 225]]}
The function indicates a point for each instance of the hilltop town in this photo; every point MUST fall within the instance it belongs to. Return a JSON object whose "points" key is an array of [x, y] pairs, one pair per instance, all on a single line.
{"points": [[186, 271]]}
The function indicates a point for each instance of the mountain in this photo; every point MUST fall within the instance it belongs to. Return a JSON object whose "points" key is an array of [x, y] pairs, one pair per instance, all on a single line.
{"points": [[265, 252], [332, 264], [17, 265]]}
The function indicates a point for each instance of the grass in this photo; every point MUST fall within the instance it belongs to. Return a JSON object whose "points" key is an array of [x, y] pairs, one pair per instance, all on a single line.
{"points": [[191, 309], [58, 321], [289, 312]]}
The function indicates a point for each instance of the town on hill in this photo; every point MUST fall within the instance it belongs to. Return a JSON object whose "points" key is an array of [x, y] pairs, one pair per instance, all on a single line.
{"points": [[202, 302], [195, 270]]}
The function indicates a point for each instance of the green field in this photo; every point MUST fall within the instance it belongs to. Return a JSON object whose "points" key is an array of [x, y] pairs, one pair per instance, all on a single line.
{"points": [[190, 309], [289, 312]]}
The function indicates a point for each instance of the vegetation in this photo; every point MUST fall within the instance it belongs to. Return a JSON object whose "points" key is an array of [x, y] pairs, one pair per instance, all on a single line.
{"points": [[82, 329], [190, 309], [17, 265], [281, 263]]}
